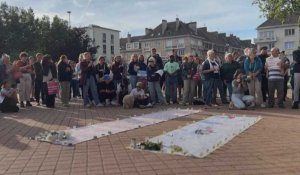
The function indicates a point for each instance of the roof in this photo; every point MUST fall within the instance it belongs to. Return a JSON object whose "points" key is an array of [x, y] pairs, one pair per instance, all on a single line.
{"points": [[183, 29], [96, 26], [123, 41], [291, 20]]}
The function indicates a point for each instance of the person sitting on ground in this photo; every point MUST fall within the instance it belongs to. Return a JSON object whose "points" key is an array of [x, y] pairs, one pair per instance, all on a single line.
{"points": [[107, 90], [140, 98], [239, 86], [8, 98]]}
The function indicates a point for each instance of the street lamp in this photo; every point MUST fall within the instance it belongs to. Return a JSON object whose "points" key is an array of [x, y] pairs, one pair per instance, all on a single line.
{"points": [[69, 12]]}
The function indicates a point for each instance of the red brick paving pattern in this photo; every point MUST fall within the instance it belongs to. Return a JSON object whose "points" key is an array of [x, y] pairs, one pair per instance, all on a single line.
{"points": [[272, 146]]}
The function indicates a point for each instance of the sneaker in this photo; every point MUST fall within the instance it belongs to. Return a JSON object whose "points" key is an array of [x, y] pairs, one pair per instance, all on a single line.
{"points": [[149, 105], [88, 105], [114, 103], [142, 106], [99, 105], [263, 105], [28, 104], [22, 105]]}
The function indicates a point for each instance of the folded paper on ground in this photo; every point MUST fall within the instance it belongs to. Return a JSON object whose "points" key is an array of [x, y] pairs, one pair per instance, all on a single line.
{"points": [[77, 135], [201, 138]]}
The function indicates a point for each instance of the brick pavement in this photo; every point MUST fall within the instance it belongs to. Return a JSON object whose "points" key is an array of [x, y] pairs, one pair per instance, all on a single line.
{"points": [[272, 146]]}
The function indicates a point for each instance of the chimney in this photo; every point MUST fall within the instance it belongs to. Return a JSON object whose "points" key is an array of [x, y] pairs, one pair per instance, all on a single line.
{"points": [[222, 34], [147, 31], [177, 24], [164, 25], [128, 38], [193, 26]]}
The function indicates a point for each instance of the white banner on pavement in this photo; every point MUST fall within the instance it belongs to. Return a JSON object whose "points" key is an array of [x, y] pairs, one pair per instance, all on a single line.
{"points": [[77, 135], [201, 138]]}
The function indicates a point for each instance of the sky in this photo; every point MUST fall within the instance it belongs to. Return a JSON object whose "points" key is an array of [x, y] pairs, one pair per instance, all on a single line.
{"points": [[238, 17]]}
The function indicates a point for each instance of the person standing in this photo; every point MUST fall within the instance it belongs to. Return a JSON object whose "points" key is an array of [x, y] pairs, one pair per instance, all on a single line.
{"points": [[274, 68], [211, 71], [64, 77], [189, 69], [88, 81], [178, 59], [253, 67], [264, 79], [296, 78], [25, 80], [227, 72], [171, 69], [133, 69], [117, 69], [153, 82], [49, 75], [286, 66], [38, 81], [198, 78]]}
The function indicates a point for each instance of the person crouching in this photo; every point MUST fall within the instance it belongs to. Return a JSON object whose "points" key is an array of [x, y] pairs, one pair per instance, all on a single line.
{"points": [[140, 98], [107, 90], [8, 100], [239, 86]]}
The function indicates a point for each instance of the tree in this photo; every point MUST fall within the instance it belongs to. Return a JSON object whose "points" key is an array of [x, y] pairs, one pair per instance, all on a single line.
{"points": [[20, 31], [279, 9]]}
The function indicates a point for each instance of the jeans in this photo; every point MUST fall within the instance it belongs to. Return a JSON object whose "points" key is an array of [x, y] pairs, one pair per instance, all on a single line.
{"points": [[210, 86], [171, 89], [255, 90], [188, 91], [133, 80], [25, 87], [38, 91], [278, 85], [90, 84], [264, 88], [198, 88], [155, 92], [296, 87], [65, 92], [229, 87], [240, 101], [75, 88]]}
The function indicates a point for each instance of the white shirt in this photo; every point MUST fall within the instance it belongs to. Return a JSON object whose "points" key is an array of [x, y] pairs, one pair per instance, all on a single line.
{"points": [[135, 92]]}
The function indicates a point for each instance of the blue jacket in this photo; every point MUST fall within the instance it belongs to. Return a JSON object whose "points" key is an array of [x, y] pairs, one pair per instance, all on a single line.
{"points": [[255, 67]]}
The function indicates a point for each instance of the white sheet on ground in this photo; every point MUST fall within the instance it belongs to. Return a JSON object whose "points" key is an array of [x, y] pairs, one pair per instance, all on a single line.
{"points": [[77, 135], [201, 138]]}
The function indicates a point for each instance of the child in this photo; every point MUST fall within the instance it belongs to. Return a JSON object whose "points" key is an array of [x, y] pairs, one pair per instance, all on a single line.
{"points": [[107, 91], [8, 102], [140, 99], [239, 86]]}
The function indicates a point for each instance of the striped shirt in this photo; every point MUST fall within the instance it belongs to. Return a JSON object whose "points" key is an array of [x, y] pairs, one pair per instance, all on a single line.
{"points": [[274, 68]]}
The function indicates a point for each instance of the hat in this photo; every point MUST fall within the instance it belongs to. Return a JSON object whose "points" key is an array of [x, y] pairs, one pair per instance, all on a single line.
{"points": [[139, 84], [106, 77]]}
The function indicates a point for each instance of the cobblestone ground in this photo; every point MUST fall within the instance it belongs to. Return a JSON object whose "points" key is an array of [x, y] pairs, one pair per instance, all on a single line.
{"points": [[272, 146]]}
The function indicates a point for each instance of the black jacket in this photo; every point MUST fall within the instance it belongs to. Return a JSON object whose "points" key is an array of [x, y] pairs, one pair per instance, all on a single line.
{"points": [[38, 70], [63, 74], [151, 74]]}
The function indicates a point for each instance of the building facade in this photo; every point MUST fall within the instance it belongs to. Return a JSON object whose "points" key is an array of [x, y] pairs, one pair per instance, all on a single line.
{"points": [[108, 41], [274, 33], [186, 38]]}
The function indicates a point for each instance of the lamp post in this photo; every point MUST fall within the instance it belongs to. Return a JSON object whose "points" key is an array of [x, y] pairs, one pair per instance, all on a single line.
{"points": [[69, 12]]}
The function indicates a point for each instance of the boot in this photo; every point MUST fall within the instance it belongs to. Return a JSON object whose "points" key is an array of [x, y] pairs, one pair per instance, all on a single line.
{"points": [[295, 105]]}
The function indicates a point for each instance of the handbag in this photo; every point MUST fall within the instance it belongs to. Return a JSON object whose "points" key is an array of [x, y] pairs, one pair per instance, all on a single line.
{"points": [[196, 76], [53, 87]]}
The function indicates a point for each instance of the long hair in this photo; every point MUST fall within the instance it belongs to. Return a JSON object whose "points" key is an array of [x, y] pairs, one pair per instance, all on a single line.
{"points": [[62, 58]]}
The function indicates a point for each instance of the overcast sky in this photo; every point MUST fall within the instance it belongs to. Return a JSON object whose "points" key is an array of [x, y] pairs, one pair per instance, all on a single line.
{"points": [[238, 17]]}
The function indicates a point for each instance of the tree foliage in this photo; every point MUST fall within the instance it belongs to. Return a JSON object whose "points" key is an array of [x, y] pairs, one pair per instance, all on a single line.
{"points": [[279, 9], [20, 31]]}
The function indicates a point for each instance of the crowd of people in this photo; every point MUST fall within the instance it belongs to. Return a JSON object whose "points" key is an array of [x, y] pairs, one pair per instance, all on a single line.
{"points": [[241, 81]]}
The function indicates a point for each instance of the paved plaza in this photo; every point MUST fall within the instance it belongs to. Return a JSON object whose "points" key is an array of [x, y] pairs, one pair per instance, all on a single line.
{"points": [[272, 146]]}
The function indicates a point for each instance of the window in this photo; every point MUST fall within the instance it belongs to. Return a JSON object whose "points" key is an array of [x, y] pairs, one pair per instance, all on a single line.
{"points": [[266, 35], [136, 45], [104, 37], [112, 38], [112, 49], [104, 49], [180, 43], [169, 44], [289, 32], [180, 52], [289, 45]]}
